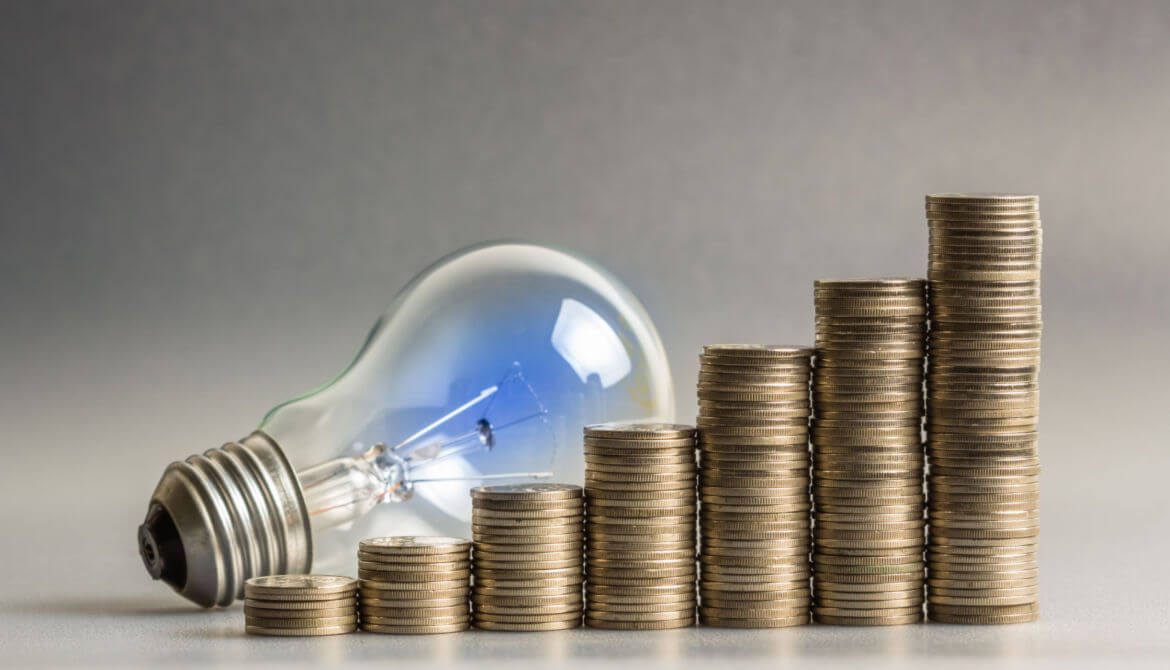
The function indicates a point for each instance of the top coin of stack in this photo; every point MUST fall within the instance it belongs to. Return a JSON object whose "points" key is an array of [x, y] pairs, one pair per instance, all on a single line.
{"points": [[982, 403], [300, 605], [867, 451], [640, 526], [414, 584], [527, 556], [753, 445]]}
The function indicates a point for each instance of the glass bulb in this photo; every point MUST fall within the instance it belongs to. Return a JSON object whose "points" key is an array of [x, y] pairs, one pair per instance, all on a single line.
{"points": [[485, 366]]}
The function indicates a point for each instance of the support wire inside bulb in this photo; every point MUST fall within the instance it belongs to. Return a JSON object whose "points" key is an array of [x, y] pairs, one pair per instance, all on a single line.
{"points": [[498, 415], [489, 436]]}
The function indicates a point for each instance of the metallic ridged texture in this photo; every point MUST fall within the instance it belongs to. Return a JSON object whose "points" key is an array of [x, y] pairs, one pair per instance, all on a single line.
{"points": [[239, 513]]}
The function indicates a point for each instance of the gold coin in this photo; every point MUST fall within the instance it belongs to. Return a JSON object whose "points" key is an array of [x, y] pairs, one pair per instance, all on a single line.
{"points": [[794, 591], [424, 629], [382, 566], [993, 609], [322, 613], [416, 577], [481, 617], [302, 622], [639, 625], [300, 632], [538, 565], [440, 586], [768, 600], [756, 351], [867, 621], [347, 601], [552, 516], [416, 621], [368, 612], [596, 599], [527, 583], [638, 430], [558, 611], [686, 613], [412, 545], [592, 589], [1006, 600], [488, 591], [748, 611], [528, 627], [635, 446], [304, 586], [633, 608], [784, 622], [528, 601], [415, 602]]}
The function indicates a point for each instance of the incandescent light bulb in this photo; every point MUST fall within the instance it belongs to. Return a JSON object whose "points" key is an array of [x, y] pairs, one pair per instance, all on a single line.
{"points": [[485, 366]]}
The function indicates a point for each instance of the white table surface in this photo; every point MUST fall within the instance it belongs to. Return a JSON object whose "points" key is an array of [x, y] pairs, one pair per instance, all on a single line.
{"points": [[74, 593]]}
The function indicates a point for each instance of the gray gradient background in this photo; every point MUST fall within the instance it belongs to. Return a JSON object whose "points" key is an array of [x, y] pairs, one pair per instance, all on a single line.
{"points": [[204, 205]]}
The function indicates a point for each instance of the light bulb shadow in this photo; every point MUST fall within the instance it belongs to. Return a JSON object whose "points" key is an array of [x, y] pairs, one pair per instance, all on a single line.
{"points": [[101, 606]]}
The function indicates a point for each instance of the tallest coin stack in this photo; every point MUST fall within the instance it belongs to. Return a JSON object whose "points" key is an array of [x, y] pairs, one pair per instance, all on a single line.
{"points": [[982, 401]]}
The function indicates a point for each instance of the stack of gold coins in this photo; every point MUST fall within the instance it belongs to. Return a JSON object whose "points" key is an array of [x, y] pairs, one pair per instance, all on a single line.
{"points": [[527, 556], [753, 445], [292, 605], [414, 584], [982, 407], [640, 526], [867, 451]]}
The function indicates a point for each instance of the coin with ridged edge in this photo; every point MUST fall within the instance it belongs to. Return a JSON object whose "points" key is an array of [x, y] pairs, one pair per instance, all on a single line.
{"points": [[527, 492], [412, 545], [296, 605], [298, 585], [528, 627], [301, 632], [294, 614], [416, 629]]}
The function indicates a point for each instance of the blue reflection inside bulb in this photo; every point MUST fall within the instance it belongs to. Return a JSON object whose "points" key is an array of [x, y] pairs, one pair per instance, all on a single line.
{"points": [[460, 444], [489, 362]]}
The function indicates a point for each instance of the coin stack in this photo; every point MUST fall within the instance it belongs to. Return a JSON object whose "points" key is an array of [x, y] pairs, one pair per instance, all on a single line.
{"points": [[640, 526], [414, 584], [527, 556], [867, 451], [753, 485], [299, 605], [982, 402]]}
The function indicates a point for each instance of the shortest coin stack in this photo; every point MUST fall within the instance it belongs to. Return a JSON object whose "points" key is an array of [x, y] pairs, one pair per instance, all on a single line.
{"points": [[414, 584], [528, 562], [293, 605]]}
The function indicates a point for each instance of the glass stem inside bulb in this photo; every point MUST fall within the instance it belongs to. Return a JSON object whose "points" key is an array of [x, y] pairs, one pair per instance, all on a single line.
{"points": [[344, 489]]}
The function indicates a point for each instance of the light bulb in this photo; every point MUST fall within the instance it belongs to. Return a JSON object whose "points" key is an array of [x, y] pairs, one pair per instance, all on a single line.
{"points": [[485, 366]]}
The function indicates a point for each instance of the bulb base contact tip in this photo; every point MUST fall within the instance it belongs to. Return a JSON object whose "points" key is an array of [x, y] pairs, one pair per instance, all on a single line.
{"points": [[222, 517]]}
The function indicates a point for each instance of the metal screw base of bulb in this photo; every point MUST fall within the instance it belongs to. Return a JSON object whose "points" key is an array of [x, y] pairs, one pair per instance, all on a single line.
{"points": [[220, 518]]}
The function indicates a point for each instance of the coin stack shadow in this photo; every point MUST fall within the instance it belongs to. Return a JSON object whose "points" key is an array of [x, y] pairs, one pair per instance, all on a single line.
{"points": [[414, 585], [640, 526], [982, 407], [527, 557], [300, 605], [753, 485], [867, 451]]}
